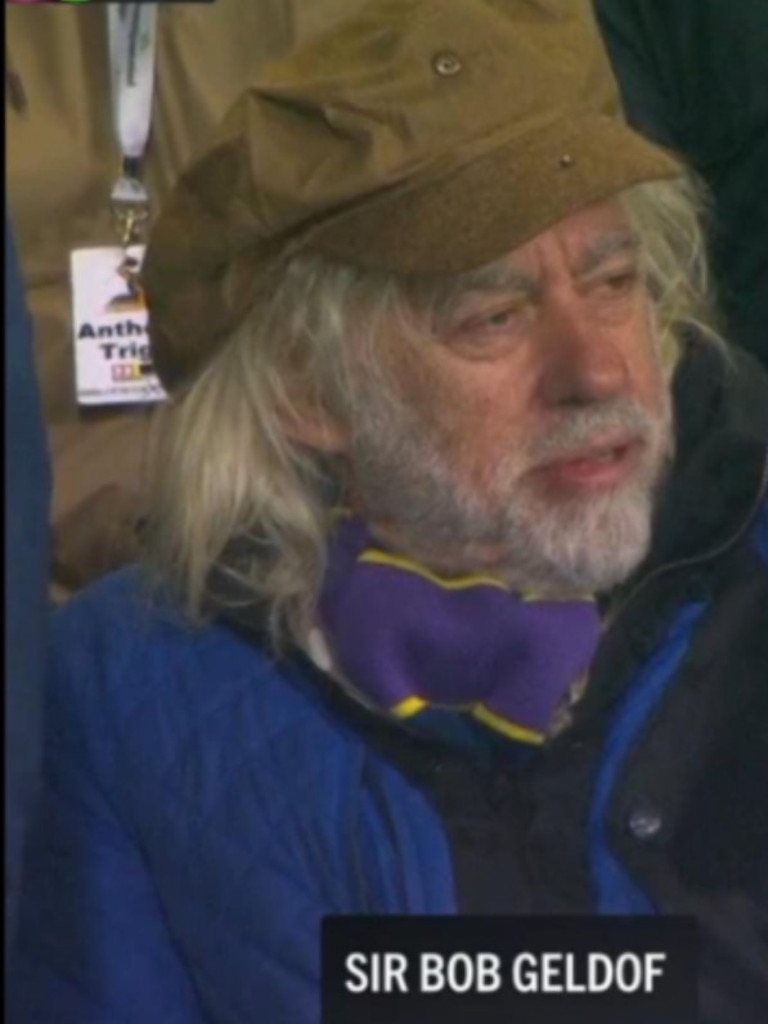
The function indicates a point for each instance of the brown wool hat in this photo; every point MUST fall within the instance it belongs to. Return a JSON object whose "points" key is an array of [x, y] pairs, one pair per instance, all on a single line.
{"points": [[421, 137]]}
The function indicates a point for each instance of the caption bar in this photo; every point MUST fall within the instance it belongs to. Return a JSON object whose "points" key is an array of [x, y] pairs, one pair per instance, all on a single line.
{"points": [[530, 970]]}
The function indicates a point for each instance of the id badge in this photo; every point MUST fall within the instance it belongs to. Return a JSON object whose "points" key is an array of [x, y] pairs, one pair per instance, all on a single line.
{"points": [[113, 362]]}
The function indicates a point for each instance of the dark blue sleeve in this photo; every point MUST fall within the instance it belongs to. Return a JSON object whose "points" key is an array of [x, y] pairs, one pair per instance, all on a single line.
{"points": [[92, 943], [27, 499]]}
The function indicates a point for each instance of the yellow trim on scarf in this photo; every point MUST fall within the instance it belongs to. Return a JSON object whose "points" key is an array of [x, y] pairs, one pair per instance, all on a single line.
{"points": [[503, 725], [409, 706], [373, 556], [413, 705], [377, 556]]}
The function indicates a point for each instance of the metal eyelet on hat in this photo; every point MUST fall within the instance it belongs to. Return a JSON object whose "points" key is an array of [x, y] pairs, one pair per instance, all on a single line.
{"points": [[446, 64], [566, 161]]}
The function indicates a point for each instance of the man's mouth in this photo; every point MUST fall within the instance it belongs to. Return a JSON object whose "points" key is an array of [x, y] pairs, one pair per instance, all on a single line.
{"points": [[603, 464]]}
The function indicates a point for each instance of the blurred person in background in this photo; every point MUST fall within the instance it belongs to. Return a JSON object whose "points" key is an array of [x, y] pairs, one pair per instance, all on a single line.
{"points": [[694, 77], [27, 510], [63, 158], [457, 544]]}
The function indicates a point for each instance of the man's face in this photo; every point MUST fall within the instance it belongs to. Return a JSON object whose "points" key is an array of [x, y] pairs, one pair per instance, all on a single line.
{"points": [[532, 422]]}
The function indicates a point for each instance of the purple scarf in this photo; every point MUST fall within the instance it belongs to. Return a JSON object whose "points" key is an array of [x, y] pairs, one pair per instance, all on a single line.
{"points": [[411, 639]]}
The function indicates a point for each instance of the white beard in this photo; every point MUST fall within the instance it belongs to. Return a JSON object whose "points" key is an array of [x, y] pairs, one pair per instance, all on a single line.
{"points": [[585, 544]]}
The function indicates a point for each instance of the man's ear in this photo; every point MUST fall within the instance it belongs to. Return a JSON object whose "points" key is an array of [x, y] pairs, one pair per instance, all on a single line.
{"points": [[315, 428]]}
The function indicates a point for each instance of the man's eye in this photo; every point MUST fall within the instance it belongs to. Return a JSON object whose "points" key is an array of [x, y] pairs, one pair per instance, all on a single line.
{"points": [[620, 282], [500, 319], [495, 320]]}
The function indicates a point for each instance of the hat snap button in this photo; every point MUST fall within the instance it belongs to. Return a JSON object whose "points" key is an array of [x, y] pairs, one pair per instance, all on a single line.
{"points": [[446, 64], [566, 161]]}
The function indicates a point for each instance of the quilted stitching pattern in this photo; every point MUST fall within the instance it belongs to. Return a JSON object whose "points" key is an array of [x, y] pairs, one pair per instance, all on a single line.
{"points": [[243, 800]]}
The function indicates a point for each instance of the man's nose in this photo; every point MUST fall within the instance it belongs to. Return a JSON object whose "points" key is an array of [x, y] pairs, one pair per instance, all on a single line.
{"points": [[583, 362]]}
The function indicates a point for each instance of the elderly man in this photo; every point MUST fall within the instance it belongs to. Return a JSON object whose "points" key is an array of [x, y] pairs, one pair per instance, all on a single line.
{"points": [[457, 580]]}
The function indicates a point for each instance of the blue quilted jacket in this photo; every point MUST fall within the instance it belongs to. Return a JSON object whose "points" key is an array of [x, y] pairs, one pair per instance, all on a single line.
{"points": [[203, 813], [203, 808]]}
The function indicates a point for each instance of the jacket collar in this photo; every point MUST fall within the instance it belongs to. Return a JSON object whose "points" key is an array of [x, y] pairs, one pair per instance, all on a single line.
{"points": [[721, 466]]}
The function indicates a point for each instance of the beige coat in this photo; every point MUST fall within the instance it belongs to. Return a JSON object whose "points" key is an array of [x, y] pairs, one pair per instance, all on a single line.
{"points": [[62, 160]]}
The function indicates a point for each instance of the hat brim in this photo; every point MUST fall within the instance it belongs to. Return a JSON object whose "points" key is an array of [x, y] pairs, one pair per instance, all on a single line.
{"points": [[497, 201]]}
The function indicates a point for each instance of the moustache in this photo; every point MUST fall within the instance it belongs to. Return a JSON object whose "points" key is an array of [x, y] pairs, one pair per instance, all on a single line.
{"points": [[621, 418]]}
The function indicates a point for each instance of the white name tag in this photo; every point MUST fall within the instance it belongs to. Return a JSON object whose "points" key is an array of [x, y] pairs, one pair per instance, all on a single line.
{"points": [[113, 364]]}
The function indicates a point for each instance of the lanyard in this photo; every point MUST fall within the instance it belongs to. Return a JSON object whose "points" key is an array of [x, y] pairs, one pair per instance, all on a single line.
{"points": [[132, 45]]}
